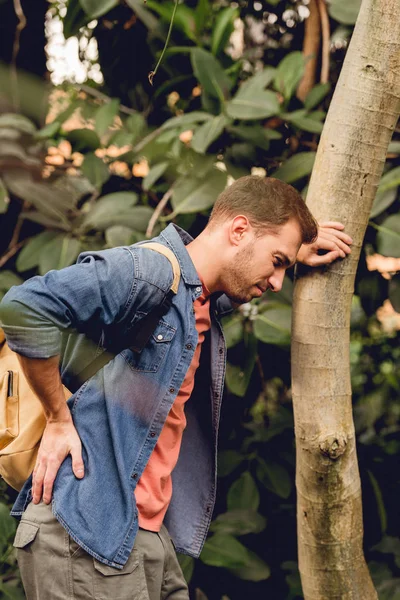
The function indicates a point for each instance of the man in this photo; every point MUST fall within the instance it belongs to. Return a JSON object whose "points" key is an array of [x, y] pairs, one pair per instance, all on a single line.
{"points": [[130, 450]]}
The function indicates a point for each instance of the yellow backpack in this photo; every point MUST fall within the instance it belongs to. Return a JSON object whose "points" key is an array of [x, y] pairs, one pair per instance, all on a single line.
{"points": [[22, 419]]}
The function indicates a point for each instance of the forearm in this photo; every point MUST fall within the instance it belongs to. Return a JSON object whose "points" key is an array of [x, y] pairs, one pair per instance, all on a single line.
{"points": [[44, 378]]}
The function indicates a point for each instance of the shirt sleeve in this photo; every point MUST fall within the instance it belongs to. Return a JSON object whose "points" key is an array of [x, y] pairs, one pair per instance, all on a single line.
{"points": [[93, 294]]}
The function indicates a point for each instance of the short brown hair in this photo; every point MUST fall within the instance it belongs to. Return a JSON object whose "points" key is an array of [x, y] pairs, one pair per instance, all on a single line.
{"points": [[268, 203]]}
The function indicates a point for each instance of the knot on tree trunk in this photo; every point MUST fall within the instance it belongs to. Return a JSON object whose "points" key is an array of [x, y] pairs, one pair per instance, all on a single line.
{"points": [[333, 446]]}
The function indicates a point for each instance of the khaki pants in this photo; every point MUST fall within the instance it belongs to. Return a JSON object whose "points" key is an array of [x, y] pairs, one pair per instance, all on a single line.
{"points": [[54, 567]]}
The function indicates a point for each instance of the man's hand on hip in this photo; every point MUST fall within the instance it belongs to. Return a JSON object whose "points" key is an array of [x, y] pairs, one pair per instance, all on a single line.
{"points": [[60, 439]]}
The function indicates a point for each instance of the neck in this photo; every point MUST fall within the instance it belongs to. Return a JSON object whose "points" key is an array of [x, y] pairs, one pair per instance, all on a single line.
{"points": [[205, 256]]}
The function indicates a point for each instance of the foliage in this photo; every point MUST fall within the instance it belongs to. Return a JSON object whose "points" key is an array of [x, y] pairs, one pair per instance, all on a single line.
{"points": [[94, 177]]}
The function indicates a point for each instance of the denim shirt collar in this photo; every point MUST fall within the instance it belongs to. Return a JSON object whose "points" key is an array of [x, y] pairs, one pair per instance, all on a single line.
{"points": [[177, 239]]}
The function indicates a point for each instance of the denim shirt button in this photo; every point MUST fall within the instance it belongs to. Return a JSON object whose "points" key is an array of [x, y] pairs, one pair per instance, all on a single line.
{"points": [[198, 289], [171, 390], [221, 350], [134, 476], [189, 346], [152, 434]]}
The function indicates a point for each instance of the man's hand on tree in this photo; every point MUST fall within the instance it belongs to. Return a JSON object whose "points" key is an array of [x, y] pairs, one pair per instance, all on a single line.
{"points": [[60, 438], [332, 243]]}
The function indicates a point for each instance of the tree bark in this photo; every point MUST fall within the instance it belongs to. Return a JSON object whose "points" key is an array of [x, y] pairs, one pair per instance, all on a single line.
{"points": [[347, 170]]}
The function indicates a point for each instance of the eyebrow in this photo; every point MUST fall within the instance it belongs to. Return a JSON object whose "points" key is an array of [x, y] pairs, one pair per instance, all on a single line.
{"points": [[285, 259]]}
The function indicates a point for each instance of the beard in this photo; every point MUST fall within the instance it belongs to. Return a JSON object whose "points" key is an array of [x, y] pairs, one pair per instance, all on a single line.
{"points": [[236, 283]]}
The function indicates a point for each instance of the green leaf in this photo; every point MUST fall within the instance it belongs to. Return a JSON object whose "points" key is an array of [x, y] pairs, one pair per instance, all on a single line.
{"points": [[382, 201], [210, 74], [222, 29], [228, 461], [16, 121], [10, 592], [273, 325], [296, 167], [394, 147], [146, 16], [289, 73], [238, 376], [30, 254], [274, 477], [316, 95], [257, 83], [243, 494], [4, 198], [83, 140], [255, 570], [201, 13], [7, 280], [379, 501], [187, 565], [307, 124], [95, 170], [74, 19], [239, 522], [253, 105], [259, 136], [54, 203], [344, 11], [15, 149], [390, 180], [233, 329], [193, 195], [97, 8], [207, 133], [49, 131], [118, 235], [394, 292], [388, 237], [7, 524], [107, 208], [184, 18], [60, 252], [105, 116], [154, 174], [187, 120], [223, 550]]}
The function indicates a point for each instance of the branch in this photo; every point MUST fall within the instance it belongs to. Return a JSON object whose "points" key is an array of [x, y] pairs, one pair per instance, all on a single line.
{"points": [[311, 45], [326, 36], [160, 207], [11, 253], [13, 66], [100, 96]]}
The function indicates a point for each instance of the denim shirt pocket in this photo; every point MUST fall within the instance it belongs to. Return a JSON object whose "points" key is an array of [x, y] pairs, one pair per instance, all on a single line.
{"points": [[153, 354]]}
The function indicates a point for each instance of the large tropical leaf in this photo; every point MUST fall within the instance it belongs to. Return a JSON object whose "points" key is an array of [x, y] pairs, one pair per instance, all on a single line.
{"points": [[223, 550], [249, 104], [297, 166], [207, 133], [193, 194], [210, 74], [243, 494], [97, 8]]}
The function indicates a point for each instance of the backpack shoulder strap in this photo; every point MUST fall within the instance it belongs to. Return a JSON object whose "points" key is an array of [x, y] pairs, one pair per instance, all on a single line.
{"points": [[161, 249], [144, 328]]}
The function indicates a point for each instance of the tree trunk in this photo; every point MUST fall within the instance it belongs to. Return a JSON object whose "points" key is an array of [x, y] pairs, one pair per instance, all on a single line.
{"points": [[348, 167]]}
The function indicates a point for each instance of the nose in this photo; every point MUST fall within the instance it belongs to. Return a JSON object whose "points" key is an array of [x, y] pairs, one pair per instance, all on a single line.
{"points": [[276, 280]]}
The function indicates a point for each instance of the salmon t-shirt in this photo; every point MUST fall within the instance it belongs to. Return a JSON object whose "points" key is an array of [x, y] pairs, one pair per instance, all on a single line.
{"points": [[154, 489]]}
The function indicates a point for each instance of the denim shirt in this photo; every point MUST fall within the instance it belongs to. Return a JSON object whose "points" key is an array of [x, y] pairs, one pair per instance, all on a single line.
{"points": [[120, 412]]}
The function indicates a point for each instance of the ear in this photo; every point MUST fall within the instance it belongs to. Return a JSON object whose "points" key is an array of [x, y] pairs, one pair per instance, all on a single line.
{"points": [[239, 230]]}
